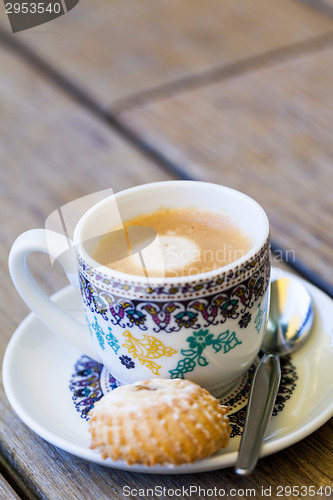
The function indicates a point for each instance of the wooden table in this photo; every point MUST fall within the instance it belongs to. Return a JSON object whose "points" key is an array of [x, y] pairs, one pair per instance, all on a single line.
{"points": [[115, 94]]}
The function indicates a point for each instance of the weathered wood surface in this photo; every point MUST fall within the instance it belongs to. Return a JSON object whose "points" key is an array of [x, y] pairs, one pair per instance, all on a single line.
{"points": [[6, 491], [119, 49], [268, 133], [53, 151]]}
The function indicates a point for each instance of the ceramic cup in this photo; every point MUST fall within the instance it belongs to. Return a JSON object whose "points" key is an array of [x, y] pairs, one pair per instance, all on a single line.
{"points": [[206, 327]]}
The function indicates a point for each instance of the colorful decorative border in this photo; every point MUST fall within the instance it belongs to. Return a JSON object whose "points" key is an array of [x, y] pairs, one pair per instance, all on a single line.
{"points": [[194, 312], [91, 381]]}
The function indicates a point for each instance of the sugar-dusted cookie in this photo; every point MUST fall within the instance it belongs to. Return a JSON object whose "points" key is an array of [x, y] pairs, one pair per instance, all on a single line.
{"points": [[159, 421]]}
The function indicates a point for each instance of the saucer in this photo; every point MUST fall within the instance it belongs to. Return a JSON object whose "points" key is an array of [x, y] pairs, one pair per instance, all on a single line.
{"points": [[40, 370], [91, 381]]}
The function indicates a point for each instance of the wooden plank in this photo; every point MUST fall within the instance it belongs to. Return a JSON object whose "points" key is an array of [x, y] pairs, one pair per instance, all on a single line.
{"points": [[6, 491], [115, 50], [52, 151], [267, 133]]}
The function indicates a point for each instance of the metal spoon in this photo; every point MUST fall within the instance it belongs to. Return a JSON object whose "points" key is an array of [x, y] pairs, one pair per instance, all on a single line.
{"points": [[289, 325]]}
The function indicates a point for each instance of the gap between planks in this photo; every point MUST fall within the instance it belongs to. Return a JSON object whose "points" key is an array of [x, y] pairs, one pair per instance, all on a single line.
{"points": [[110, 117], [225, 72]]}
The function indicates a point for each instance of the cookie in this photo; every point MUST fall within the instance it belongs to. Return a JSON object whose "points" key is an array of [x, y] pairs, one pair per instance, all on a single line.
{"points": [[159, 421]]}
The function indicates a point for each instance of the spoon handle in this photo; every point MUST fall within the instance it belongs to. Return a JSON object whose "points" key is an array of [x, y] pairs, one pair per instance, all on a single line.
{"points": [[264, 389]]}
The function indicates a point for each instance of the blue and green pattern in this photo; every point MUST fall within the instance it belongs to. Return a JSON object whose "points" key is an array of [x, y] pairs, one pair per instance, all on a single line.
{"points": [[260, 318], [198, 342], [101, 337]]}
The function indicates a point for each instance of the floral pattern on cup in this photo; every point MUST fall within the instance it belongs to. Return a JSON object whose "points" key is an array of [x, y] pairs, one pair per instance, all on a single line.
{"points": [[146, 350], [245, 320], [198, 342], [173, 315], [102, 337], [260, 317], [127, 361]]}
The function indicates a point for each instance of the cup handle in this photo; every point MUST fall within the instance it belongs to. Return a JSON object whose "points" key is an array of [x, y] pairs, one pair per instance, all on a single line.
{"points": [[58, 320]]}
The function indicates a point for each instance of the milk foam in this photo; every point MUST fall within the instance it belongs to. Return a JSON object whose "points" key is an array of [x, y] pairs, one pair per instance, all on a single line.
{"points": [[178, 252], [167, 253]]}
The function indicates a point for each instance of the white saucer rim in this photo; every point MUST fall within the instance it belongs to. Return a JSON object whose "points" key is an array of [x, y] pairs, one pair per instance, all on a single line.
{"points": [[211, 463]]}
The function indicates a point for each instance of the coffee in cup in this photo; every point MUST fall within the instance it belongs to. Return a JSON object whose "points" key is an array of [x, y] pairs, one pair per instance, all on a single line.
{"points": [[173, 242]]}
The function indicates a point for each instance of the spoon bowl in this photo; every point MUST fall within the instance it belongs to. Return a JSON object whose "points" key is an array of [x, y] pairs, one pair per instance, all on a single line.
{"points": [[290, 317]]}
